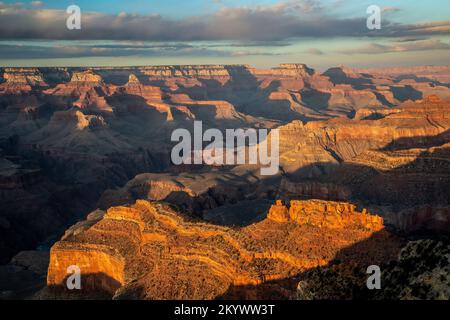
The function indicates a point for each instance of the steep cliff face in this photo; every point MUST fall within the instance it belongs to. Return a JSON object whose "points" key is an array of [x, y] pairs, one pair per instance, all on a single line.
{"points": [[150, 251]]}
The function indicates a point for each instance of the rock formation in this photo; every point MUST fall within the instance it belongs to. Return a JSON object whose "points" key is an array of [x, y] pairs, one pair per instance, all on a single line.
{"points": [[278, 212], [325, 214], [150, 251], [88, 78], [21, 80], [88, 89]]}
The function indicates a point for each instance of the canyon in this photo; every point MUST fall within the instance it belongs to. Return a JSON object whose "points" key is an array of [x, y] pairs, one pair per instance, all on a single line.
{"points": [[85, 170]]}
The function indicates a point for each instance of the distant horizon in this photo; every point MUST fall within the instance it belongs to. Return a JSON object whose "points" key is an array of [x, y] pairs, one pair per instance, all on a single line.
{"points": [[218, 64], [221, 64]]}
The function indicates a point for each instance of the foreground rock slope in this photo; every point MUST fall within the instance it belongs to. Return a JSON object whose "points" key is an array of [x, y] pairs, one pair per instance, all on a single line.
{"points": [[149, 251]]}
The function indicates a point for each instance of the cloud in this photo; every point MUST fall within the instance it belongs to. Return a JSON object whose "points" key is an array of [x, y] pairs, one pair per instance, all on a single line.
{"points": [[37, 3], [260, 24], [420, 45], [390, 9], [410, 39], [252, 44], [297, 6], [38, 51], [420, 30], [314, 51], [278, 22], [13, 6]]}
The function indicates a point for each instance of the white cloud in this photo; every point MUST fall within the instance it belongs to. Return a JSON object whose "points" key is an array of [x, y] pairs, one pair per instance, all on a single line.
{"points": [[37, 3]]}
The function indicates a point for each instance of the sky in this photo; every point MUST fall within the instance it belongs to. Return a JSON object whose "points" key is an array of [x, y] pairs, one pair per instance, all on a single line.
{"points": [[262, 33]]}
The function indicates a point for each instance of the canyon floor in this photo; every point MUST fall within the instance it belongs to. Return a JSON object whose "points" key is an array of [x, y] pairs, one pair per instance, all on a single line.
{"points": [[86, 179]]}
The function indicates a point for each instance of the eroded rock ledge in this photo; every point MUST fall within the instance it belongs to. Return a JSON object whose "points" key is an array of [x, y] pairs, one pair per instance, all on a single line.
{"points": [[326, 214], [150, 251]]}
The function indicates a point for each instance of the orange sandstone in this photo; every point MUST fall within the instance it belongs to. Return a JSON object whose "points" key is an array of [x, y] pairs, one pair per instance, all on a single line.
{"points": [[150, 251]]}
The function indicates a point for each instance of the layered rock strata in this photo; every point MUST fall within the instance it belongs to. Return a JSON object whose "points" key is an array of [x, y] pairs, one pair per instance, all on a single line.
{"points": [[325, 214], [150, 251]]}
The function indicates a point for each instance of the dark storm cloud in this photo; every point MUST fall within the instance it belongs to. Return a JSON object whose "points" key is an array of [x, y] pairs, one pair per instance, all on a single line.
{"points": [[267, 23]]}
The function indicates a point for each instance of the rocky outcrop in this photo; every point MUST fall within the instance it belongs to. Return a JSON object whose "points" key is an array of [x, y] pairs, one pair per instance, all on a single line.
{"points": [[325, 214], [78, 119], [150, 93], [21, 80], [293, 69], [150, 251], [85, 90], [278, 212], [86, 78]]}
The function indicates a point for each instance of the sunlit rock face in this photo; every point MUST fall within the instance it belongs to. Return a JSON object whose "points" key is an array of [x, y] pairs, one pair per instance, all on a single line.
{"points": [[327, 214], [150, 251], [21, 80], [86, 78]]}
